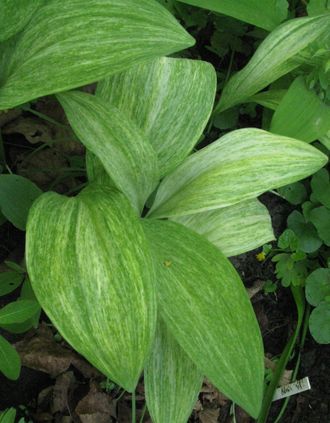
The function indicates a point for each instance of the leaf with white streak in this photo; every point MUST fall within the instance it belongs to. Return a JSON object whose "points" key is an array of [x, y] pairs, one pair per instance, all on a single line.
{"points": [[301, 114], [172, 381], [169, 99], [14, 15], [68, 44], [206, 308], [95, 284], [239, 166], [276, 56], [266, 14], [235, 229], [126, 155]]}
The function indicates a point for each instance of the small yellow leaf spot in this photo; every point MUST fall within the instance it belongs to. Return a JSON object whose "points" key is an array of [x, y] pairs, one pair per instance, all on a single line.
{"points": [[261, 256], [167, 263]]}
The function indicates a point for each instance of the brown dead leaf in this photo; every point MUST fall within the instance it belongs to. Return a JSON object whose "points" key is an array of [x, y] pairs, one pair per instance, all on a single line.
{"points": [[209, 415], [287, 374], [33, 129], [42, 352], [9, 115], [96, 407], [63, 384], [255, 288], [211, 394]]}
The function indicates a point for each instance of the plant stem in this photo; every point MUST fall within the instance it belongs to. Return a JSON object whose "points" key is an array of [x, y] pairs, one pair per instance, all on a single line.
{"points": [[299, 297], [133, 407]]}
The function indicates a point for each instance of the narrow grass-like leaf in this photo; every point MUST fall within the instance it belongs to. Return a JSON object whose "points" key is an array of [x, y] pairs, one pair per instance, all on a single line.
{"points": [[126, 155], [17, 195], [170, 100], [301, 114], [68, 44], [266, 14], [10, 362], [235, 229], [276, 56], [206, 308], [91, 271], [239, 166], [18, 311], [15, 15], [172, 381]]}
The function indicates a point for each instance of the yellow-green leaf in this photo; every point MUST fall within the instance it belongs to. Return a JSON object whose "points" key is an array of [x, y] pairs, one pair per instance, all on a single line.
{"points": [[91, 271], [172, 381], [169, 99], [235, 229], [124, 152], [239, 166], [276, 56], [68, 44], [206, 308]]}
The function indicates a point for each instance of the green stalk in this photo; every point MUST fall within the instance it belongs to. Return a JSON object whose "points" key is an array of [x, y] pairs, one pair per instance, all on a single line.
{"points": [[298, 295], [295, 372], [133, 407]]}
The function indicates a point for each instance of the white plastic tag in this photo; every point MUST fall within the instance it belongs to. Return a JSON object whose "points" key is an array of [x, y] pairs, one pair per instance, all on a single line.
{"points": [[292, 389]]}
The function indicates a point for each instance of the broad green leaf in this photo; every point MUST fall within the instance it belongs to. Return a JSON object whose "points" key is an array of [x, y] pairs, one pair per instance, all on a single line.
{"points": [[317, 7], [301, 114], [295, 193], [169, 99], [91, 271], [172, 381], [10, 363], [18, 311], [318, 286], [9, 281], [235, 229], [70, 44], [320, 185], [270, 98], [126, 155], [308, 239], [8, 416], [320, 217], [275, 57], [266, 14], [325, 140], [14, 15], [16, 197], [239, 166], [206, 308], [319, 323]]}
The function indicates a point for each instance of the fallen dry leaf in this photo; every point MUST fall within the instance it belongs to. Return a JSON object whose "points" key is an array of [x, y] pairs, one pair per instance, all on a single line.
{"points": [[209, 415], [96, 407], [42, 352], [63, 384], [33, 129]]}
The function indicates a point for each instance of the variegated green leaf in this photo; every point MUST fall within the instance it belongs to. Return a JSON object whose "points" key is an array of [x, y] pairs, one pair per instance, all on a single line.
{"points": [[235, 229], [14, 15], [68, 44], [91, 270], [276, 56], [170, 100], [266, 14], [239, 166], [172, 381], [301, 114], [126, 155], [206, 308]]}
